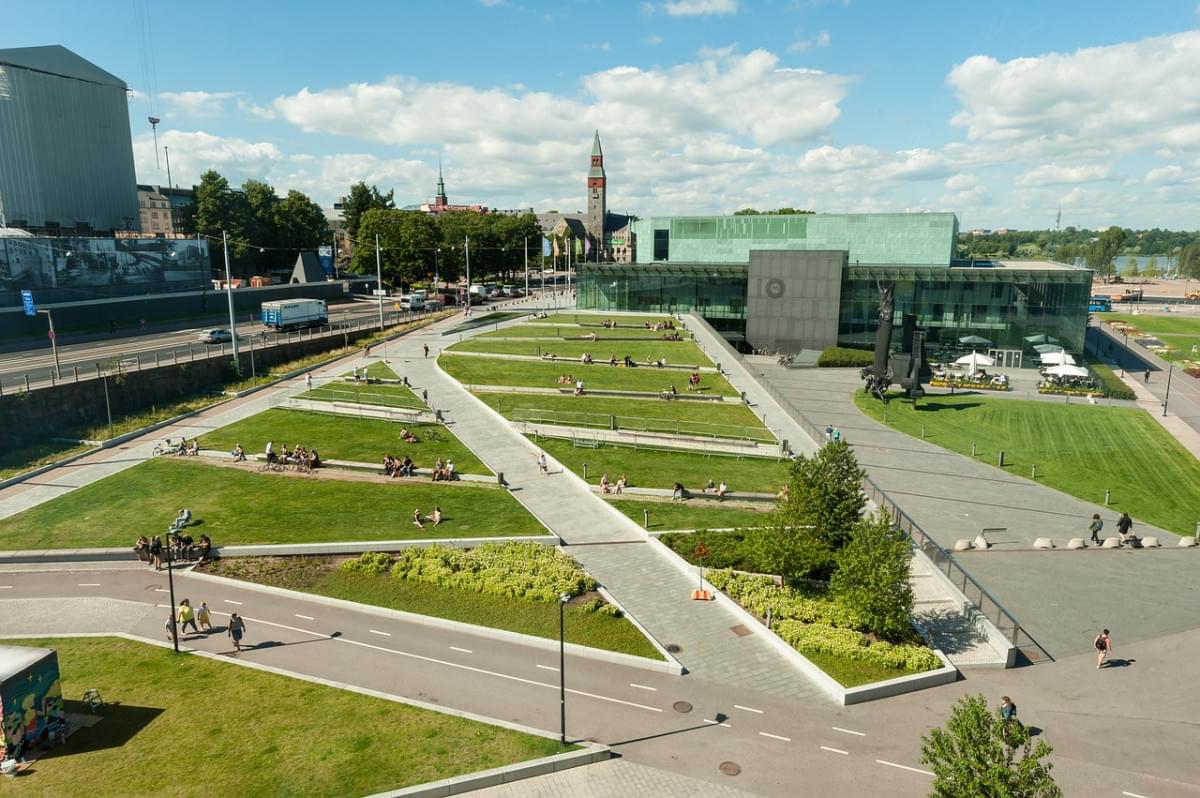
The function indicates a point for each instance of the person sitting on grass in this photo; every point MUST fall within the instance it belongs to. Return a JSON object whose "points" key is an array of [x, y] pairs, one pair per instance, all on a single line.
{"points": [[182, 448], [314, 459], [193, 448], [579, 387], [678, 492], [436, 518], [722, 489], [410, 437], [604, 484], [239, 454], [416, 518], [711, 487]]}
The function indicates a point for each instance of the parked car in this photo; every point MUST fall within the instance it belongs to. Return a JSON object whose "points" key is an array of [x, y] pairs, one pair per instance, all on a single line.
{"points": [[433, 304], [215, 336]]}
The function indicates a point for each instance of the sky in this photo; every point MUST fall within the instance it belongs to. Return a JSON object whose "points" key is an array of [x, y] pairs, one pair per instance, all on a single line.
{"points": [[1003, 113]]}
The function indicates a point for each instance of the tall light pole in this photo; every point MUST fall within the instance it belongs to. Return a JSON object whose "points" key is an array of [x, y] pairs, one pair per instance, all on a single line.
{"points": [[437, 256], [562, 669], [171, 590], [170, 204], [379, 281], [467, 251], [237, 363], [154, 120], [1167, 397], [526, 265]]}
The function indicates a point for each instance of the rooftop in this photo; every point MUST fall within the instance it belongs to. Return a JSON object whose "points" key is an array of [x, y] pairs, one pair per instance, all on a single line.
{"points": [[57, 60]]}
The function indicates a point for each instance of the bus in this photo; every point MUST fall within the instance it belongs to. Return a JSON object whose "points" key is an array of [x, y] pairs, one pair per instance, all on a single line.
{"points": [[1100, 304]]}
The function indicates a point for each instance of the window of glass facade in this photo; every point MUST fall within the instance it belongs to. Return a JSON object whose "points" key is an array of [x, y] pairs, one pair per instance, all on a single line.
{"points": [[713, 291], [662, 245]]}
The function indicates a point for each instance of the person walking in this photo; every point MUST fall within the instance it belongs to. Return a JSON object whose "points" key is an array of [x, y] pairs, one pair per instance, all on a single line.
{"points": [[1124, 526], [829, 433], [837, 435], [1103, 645], [170, 627], [425, 347], [156, 551], [1095, 528], [235, 630], [308, 382], [204, 616], [543, 467], [187, 615], [1008, 711], [425, 395]]}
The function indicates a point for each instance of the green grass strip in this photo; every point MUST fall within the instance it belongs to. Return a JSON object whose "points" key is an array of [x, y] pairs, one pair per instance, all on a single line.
{"points": [[486, 371]]}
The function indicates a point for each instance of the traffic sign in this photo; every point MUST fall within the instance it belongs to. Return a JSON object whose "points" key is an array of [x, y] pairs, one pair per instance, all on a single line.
{"points": [[27, 302], [701, 552], [380, 292]]}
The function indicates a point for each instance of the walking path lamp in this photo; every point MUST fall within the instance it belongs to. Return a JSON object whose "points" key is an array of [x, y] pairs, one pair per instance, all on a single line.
{"points": [[562, 672], [171, 587]]}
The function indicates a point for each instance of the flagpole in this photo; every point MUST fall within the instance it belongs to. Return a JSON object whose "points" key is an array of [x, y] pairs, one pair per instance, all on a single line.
{"points": [[526, 265]]}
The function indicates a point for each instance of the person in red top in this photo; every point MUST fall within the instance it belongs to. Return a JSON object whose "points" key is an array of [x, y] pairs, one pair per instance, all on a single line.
{"points": [[1103, 644]]}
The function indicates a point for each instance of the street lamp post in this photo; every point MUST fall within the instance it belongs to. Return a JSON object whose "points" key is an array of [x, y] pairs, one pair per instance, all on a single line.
{"points": [[437, 271], [170, 204], [53, 342], [526, 265], [562, 669], [237, 364], [467, 253], [379, 281], [171, 588], [1167, 396]]}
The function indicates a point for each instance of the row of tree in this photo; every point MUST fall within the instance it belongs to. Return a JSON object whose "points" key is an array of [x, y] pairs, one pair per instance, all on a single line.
{"points": [[1052, 243]]}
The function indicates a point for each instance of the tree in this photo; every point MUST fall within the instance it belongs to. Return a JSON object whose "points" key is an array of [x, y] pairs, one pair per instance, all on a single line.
{"points": [[302, 223], [360, 200], [407, 240], [219, 209], [1131, 266], [1189, 261], [1109, 244], [824, 501], [872, 576], [1151, 271], [972, 757]]}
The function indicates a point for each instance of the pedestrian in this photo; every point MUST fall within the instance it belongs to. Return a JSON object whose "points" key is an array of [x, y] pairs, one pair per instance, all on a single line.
{"points": [[425, 395], [837, 435], [828, 433], [156, 550], [1103, 644], [187, 615], [356, 375], [1008, 711], [1147, 375], [204, 616], [308, 382], [1095, 528], [1124, 525], [236, 628], [426, 348], [543, 468], [170, 627]]}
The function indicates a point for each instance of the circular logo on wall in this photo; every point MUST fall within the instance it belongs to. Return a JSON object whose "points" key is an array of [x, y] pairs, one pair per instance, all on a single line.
{"points": [[774, 288]]}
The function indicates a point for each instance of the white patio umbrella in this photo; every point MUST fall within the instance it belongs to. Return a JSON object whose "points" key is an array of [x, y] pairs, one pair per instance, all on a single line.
{"points": [[1040, 338], [1043, 349], [974, 360], [974, 340], [1067, 371], [1057, 359]]}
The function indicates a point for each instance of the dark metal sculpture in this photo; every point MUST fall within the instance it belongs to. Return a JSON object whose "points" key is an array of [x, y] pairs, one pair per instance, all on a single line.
{"points": [[878, 378], [909, 362]]}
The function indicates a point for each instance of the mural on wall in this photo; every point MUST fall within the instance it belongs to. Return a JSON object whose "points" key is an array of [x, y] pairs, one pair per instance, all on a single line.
{"points": [[83, 262], [30, 700]]}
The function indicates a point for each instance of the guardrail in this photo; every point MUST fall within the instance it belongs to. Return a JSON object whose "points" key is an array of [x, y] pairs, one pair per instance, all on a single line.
{"points": [[695, 429], [983, 601]]}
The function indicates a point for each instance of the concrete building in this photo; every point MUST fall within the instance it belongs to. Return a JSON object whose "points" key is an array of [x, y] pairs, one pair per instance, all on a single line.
{"points": [[66, 155], [162, 210], [596, 235], [812, 281]]}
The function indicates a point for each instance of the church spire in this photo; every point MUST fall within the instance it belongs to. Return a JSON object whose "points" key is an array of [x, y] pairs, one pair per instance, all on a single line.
{"points": [[440, 199], [596, 152]]}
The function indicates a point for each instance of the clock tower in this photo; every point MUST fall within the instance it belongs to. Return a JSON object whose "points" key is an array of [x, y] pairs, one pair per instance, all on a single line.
{"points": [[596, 202]]}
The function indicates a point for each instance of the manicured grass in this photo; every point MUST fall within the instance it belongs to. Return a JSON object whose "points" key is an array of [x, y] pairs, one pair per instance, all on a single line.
{"points": [[486, 371], [343, 437], [1079, 449], [363, 394], [691, 515], [681, 352], [718, 419], [854, 672], [1114, 387], [600, 318], [1180, 333], [320, 575], [234, 505], [604, 338], [483, 320], [653, 468], [27, 458], [187, 725], [380, 370]]}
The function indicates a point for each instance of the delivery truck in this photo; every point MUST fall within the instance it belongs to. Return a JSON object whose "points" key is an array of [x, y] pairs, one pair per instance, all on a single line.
{"points": [[293, 314], [31, 702]]}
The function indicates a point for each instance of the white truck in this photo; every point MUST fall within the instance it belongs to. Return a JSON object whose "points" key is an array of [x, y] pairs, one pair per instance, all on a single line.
{"points": [[292, 314]]}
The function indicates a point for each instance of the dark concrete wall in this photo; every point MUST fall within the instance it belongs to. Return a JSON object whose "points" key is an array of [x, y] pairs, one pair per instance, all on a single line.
{"points": [[793, 298]]}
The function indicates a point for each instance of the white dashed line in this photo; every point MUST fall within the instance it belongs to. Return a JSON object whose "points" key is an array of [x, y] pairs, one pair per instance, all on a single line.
{"points": [[161, 590], [377, 632], [463, 650], [1133, 794], [748, 709], [88, 584], [717, 723], [835, 750], [305, 617], [848, 731], [6, 587], [231, 601], [548, 668], [776, 737], [643, 687], [903, 767]]}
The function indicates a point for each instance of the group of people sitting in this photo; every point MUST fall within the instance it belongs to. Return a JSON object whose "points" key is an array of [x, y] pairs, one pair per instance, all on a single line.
{"points": [[298, 455], [434, 518], [586, 358], [565, 379], [672, 336], [670, 393], [443, 471], [183, 448], [660, 325], [408, 436], [613, 487], [609, 324], [718, 490], [395, 467], [179, 546]]}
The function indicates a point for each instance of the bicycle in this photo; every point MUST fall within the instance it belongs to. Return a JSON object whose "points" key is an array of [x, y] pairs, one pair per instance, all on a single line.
{"points": [[92, 698], [435, 436], [271, 465], [163, 448]]}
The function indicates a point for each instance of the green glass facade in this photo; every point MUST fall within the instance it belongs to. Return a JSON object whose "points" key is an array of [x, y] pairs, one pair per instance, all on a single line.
{"points": [[715, 291]]}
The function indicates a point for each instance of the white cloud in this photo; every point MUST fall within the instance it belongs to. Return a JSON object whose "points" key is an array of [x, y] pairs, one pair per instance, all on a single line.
{"points": [[1165, 175], [192, 153], [823, 39], [196, 104], [1049, 174], [253, 109], [603, 47], [653, 39], [696, 8], [803, 45]]}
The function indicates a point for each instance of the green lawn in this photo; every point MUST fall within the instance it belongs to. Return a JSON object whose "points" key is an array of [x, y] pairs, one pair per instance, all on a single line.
{"points": [[667, 515], [233, 505], [342, 437], [604, 338], [486, 371], [600, 318], [660, 469], [27, 458], [681, 352], [187, 725], [695, 418], [320, 575], [1079, 449], [361, 393], [1180, 333]]}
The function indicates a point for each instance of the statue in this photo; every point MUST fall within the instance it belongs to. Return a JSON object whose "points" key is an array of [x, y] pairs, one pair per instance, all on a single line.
{"points": [[878, 378]]}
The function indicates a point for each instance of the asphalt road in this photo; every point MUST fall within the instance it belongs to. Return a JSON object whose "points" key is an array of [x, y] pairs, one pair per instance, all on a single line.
{"points": [[1122, 731]]}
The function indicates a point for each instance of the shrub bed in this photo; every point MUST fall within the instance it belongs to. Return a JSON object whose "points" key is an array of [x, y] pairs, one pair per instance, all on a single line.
{"points": [[1058, 390], [974, 385], [1114, 387], [841, 357], [848, 644], [733, 549]]}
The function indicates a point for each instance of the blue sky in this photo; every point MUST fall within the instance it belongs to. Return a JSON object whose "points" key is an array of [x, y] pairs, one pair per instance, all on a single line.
{"points": [[1000, 112]]}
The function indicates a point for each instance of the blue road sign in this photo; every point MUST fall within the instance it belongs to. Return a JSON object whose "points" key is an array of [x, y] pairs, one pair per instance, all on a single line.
{"points": [[27, 302]]}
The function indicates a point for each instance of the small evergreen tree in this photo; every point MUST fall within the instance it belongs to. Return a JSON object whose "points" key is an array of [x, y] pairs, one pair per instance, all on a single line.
{"points": [[872, 576], [974, 756]]}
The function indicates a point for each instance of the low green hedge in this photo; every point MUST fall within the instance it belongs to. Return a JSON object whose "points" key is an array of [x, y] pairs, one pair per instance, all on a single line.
{"points": [[849, 644], [1114, 387], [727, 549], [840, 357], [758, 594]]}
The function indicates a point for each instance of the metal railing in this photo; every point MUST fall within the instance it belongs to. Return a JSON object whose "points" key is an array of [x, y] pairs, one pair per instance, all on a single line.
{"points": [[694, 429], [975, 593]]}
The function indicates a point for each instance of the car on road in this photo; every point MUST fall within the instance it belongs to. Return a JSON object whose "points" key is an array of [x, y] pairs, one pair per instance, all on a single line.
{"points": [[433, 304], [215, 336]]}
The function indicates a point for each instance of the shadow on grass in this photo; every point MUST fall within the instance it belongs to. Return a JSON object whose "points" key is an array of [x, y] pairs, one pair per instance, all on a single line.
{"points": [[932, 407], [119, 723]]}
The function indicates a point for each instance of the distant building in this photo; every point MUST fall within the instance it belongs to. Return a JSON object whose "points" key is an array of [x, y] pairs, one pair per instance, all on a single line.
{"points": [[595, 235], [66, 154], [162, 210]]}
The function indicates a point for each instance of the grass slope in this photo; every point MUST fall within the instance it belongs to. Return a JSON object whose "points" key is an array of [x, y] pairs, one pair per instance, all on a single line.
{"points": [[1078, 449], [1180, 333], [599, 318], [666, 516], [341, 437], [186, 725], [240, 506], [604, 338], [320, 575], [660, 469], [486, 371], [674, 351]]}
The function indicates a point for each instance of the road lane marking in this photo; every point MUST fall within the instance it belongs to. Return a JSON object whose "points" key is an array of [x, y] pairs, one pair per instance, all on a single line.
{"points": [[161, 590], [717, 723], [849, 731], [548, 668], [377, 632], [305, 617], [835, 750], [6, 587], [748, 709], [231, 601], [643, 687], [776, 737], [463, 650], [88, 584], [903, 767], [1133, 794]]}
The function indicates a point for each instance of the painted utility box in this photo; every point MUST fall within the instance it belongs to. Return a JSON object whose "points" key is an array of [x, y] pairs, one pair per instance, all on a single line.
{"points": [[30, 696]]}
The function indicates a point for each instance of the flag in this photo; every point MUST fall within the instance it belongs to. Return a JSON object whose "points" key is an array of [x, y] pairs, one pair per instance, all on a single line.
{"points": [[587, 246], [556, 247], [578, 247], [545, 247]]}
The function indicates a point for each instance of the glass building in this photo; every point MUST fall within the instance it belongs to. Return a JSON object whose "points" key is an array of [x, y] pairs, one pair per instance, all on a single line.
{"points": [[812, 281]]}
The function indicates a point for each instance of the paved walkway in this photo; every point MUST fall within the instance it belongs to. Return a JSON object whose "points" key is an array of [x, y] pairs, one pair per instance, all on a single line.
{"points": [[614, 778]]}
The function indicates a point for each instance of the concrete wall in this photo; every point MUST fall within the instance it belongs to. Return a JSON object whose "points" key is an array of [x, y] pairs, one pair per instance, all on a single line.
{"points": [[793, 299]]}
